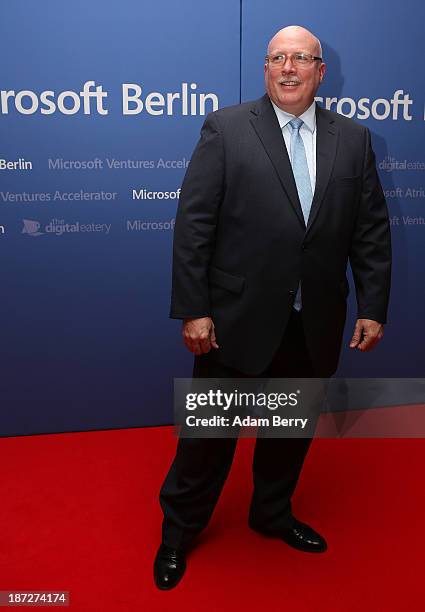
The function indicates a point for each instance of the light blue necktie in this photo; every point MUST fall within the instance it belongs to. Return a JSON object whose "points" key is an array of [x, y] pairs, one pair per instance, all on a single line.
{"points": [[302, 179]]}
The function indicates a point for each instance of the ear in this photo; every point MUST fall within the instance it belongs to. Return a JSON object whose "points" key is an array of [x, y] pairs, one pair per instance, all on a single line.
{"points": [[322, 71]]}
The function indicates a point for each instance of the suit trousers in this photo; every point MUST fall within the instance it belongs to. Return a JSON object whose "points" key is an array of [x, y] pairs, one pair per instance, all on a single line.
{"points": [[201, 465]]}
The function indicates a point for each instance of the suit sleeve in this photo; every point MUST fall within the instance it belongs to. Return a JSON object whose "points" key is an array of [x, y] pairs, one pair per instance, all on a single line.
{"points": [[195, 228], [370, 253]]}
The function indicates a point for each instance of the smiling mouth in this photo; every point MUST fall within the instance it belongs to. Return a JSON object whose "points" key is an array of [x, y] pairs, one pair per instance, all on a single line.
{"points": [[291, 84]]}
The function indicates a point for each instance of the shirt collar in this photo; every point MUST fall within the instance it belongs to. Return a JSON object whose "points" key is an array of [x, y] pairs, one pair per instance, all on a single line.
{"points": [[308, 116]]}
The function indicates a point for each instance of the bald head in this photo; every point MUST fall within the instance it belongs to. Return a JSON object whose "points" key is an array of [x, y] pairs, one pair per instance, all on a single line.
{"points": [[290, 84], [298, 33]]}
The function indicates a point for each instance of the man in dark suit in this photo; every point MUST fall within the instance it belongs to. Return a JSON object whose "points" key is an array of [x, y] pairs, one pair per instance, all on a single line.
{"points": [[278, 196]]}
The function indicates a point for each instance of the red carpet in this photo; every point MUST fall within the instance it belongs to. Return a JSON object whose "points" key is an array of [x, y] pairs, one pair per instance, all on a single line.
{"points": [[79, 512]]}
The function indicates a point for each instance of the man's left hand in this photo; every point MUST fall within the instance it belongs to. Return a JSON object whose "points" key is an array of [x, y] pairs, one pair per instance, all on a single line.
{"points": [[367, 334]]}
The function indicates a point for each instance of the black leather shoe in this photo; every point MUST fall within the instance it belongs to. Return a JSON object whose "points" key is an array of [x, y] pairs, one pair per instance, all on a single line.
{"points": [[299, 536], [169, 567]]}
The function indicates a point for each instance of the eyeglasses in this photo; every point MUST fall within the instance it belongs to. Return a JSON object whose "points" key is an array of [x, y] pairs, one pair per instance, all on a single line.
{"points": [[299, 59]]}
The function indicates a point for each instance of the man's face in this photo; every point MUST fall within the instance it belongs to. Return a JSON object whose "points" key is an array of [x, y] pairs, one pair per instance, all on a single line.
{"points": [[292, 88]]}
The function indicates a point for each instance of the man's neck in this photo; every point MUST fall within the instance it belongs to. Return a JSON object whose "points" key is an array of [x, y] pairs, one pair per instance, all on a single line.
{"points": [[296, 112]]}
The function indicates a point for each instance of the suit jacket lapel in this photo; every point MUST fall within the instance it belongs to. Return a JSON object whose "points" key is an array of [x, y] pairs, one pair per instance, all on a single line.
{"points": [[266, 125], [326, 144]]}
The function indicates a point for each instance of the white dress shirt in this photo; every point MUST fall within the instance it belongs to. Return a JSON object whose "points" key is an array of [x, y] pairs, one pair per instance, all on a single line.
{"points": [[307, 132]]}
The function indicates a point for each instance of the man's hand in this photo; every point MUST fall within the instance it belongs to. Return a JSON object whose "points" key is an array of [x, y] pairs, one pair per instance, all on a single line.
{"points": [[367, 334], [199, 335]]}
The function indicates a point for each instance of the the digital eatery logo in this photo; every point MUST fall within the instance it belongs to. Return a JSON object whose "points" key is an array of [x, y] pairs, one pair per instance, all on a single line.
{"points": [[59, 227], [31, 227]]}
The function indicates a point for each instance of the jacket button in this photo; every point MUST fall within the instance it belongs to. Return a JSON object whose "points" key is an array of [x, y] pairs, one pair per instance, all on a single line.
{"points": [[303, 247]]}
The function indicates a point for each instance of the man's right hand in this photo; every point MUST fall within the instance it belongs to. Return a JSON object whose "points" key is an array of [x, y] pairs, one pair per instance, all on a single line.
{"points": [[199, 335]]}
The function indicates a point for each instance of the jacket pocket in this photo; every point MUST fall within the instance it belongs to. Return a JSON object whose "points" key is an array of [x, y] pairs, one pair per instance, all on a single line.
{"points": [[228, 281], [345, 179]]}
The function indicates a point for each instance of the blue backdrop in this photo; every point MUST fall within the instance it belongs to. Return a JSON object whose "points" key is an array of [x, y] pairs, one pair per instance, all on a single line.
{"points": [[100, 107]]}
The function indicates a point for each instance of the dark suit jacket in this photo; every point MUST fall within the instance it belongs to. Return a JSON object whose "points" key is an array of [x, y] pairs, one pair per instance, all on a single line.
{"points": [[241, 245]]}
